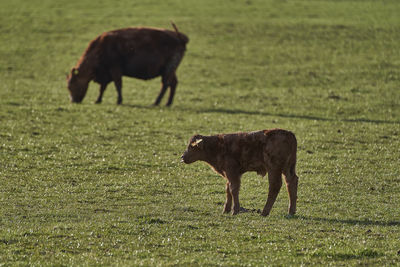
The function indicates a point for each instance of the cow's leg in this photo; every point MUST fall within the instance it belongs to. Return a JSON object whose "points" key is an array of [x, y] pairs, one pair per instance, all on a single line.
{"points": [[275, 184], [117, 78], [291, 185], [103, 87], [169, 78], [228, 203], [172, 87], [164, 87]]}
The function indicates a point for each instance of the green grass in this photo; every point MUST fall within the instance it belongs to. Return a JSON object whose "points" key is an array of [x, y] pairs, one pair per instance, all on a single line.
{"points": [[102, 184]]}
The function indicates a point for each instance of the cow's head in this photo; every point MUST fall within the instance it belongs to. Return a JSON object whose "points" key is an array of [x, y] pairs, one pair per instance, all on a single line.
{"points": [[195, 150], [77, 85]]}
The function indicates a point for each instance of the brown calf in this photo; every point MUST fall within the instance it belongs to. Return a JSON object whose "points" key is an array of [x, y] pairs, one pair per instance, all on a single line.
{"points": [[231, 155], [143, 53]]}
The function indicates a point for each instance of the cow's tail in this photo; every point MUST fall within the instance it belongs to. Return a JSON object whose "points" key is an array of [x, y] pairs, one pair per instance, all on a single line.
{"points": [[180, 35]]}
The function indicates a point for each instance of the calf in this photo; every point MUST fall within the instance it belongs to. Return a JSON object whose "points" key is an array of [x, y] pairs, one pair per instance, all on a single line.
{"points": [[231, 155], [143, 53]]}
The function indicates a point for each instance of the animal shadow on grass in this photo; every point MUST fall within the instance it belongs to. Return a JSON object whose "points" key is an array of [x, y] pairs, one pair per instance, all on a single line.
{"points": [[258, 211], [140, 106], [364, 222], [295, 116], [252, 112]]}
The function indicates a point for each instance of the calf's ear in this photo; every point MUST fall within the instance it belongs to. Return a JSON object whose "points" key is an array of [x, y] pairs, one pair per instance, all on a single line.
{"points": [[196, 143]]}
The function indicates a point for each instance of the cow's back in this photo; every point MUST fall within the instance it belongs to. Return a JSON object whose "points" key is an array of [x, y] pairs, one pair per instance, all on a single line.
{"points": [[141, 38], [139, 52]]}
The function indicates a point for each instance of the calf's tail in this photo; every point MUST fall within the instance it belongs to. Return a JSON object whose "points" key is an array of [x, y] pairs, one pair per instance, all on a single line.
{"points": [[291, 161]]}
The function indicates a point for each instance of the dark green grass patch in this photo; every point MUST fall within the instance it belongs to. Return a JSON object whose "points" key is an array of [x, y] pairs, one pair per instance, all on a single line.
{"points": [[103, 184]]}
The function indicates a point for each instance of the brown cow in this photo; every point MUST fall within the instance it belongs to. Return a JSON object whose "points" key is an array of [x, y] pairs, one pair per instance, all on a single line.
{"points": [[143, 53], [231, 155]]}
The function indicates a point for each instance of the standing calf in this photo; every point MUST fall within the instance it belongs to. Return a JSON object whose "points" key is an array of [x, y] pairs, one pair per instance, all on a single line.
{"points": [[231, 155], [143, 53]]}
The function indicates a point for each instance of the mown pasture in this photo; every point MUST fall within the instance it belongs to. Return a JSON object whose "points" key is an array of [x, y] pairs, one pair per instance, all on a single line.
{"points": [[86, 184]]}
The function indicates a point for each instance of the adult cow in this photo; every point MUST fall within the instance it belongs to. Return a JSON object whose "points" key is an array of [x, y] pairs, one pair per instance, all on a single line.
{"points": [[140, 52], [231, 155]]}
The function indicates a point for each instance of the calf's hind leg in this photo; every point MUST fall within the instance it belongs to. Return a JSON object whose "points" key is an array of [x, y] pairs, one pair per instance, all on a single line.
{"points": [[291, 185], [275, 184]]}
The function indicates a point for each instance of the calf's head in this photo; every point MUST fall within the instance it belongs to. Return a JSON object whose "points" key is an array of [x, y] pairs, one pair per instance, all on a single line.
{"points": [[77, 86], [195, 150]]}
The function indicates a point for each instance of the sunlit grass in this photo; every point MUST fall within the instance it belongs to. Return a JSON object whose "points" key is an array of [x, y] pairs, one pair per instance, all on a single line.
{"points": [[102, 184]]}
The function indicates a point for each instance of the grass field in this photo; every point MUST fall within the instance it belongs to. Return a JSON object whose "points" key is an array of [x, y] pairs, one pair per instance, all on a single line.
{"points": [[86, 184]]}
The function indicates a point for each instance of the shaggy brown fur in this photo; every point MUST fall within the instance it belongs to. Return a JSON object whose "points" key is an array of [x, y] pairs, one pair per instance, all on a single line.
{"points": [[143, 53], [231, 155]]}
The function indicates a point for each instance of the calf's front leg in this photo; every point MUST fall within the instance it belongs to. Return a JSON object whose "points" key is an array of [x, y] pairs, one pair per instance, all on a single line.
{"points": [[234, 187], [228, 202], [233, 176]]}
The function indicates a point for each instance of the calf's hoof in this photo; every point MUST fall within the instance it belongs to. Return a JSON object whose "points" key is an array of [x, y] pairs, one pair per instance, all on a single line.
{"points": [[226, 210], [242, 210], [290, 216], [235, 211]]}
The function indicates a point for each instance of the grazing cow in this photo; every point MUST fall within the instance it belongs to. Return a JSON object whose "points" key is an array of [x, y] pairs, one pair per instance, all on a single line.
{"points": [[143, 53], [231, 155]]}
